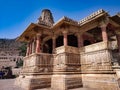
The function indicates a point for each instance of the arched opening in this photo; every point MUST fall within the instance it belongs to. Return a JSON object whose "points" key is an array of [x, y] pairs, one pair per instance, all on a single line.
{"points": [[72, 41], [59, 41], [86, 42]]}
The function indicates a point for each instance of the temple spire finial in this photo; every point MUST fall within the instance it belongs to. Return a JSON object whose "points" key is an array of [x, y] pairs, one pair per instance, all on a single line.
{"points": [[46, 17]]}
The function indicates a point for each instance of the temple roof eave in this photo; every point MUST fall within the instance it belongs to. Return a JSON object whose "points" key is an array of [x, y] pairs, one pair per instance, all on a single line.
{"points": [[116, 19], [66, 20], [21, 37], [100, 13], [29, 32]]}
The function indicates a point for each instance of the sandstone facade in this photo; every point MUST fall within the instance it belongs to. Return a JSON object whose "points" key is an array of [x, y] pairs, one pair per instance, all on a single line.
{"points": [[72, 54]]}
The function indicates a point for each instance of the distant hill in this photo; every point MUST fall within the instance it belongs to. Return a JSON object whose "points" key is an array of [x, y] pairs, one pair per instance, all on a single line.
{"points": [[11, 53], [11, 47]]}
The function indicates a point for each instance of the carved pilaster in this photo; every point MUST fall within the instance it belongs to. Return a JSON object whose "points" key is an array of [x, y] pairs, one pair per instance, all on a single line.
{"points": [[103, 26], [54, 43], [33, 45], [38, 43], [28, 49], [80, 40], [65, 38]]}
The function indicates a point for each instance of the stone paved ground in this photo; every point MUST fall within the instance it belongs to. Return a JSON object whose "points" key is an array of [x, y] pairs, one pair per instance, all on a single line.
{"points": [[8, 84]]}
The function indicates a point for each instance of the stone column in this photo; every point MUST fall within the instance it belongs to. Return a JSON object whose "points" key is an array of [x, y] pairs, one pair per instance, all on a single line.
{"points": [[104, 32], [65, 38], [33, 46], [38, 43], [80, 40], [28, 49], [54, 43]]}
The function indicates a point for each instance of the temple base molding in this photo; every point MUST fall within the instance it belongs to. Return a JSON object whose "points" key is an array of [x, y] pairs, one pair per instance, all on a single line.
{"points": [[100, 81], [65, 82], [34, 82]]}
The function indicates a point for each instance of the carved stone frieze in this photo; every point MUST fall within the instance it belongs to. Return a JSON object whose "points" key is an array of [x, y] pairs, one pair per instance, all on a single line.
{"points": [[99, 60], [94, 47], [67, 49]]}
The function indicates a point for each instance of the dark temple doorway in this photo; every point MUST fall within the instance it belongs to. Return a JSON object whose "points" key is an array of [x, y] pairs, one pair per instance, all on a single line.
{"points": [[86, 42], [59, 41], [47, 47], [72, 41]]}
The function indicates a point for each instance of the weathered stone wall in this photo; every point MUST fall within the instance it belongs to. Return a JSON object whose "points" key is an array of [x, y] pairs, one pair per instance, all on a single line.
{"points": [[95, 57], [66, 73], [38, 63], [96, 67], [101, 81], [31, 82], [65, 82], [70, 67], [36, 72]]}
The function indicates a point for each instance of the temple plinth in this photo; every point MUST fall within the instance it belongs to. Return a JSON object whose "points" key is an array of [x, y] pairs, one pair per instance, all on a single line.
{"points": [[72, 54]]}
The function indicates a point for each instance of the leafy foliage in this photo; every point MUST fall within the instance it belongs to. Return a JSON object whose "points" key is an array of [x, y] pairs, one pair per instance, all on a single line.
{"points": [[22, 49]]}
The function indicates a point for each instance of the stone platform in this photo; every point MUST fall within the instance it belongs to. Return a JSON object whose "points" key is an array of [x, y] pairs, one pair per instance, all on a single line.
{"points": [[8, 84]]}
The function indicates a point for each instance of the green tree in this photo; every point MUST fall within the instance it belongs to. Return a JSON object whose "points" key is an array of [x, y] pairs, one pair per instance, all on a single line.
{"points": [[22, 49]]}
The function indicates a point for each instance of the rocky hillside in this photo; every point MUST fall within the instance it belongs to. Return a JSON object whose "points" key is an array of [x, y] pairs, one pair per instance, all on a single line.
{"points": [[11, 47]]}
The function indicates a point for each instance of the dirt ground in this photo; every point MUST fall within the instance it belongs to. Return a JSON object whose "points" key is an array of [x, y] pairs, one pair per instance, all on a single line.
{"points": [[8, 84]]}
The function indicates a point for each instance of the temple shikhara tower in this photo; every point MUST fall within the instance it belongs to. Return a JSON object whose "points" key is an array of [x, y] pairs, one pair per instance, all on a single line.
{"points": [[72, 54]]}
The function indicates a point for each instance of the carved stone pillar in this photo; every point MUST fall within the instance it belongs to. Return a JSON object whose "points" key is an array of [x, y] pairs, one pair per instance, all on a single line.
{"points": [[54, 43], [65, 38], [104, 31], [80, 40], [33, 46], [28, 49], [38, 43]]}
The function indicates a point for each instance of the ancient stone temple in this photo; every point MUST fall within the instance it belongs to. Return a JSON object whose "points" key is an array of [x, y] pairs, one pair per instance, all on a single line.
{"points": [[72, 54]]}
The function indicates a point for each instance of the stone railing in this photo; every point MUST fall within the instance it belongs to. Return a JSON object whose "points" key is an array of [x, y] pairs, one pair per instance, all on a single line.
{"points": [[96, 57], [73, 59], [41, 62], [67, 62], [68, 49], [73, 62], [67, 58], [94, 47], [45, 61]]}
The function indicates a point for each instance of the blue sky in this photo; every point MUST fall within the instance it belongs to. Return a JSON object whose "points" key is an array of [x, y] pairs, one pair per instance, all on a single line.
{"points": [[16, 15]]}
